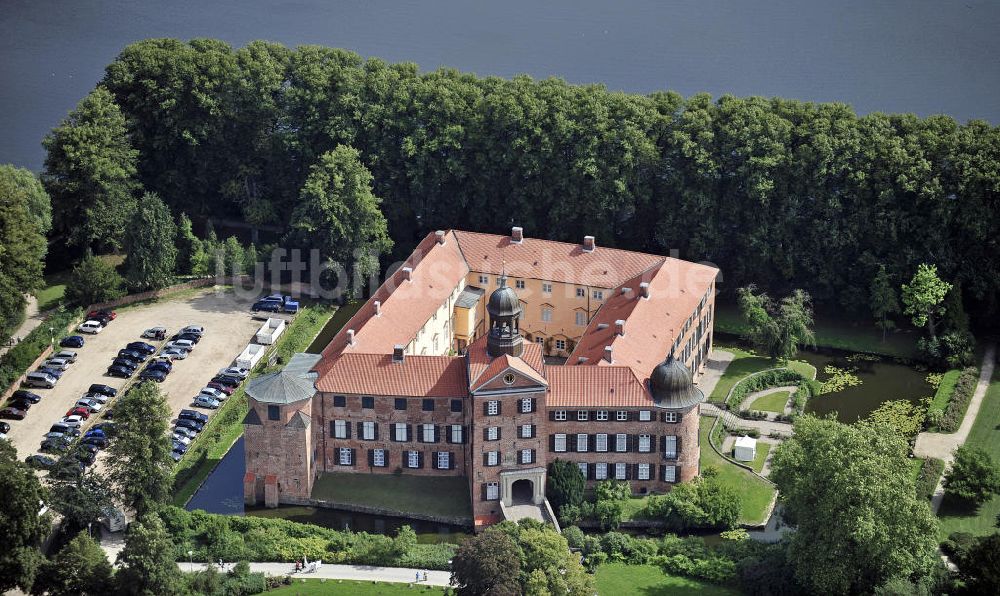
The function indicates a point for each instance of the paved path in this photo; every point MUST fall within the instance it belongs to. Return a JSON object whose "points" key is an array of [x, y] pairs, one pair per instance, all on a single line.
{"points": [[401, 575], [943, 445], [766, 427], [718, 362], [33, 319]]}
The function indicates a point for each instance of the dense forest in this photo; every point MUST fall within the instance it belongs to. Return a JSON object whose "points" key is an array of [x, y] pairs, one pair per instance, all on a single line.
{"points": [[782, 193]]}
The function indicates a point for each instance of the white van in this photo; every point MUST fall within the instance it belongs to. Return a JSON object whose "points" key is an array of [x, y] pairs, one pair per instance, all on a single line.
{"points": [[92, 327], [37, 379], [67, 355], [184, 344]]}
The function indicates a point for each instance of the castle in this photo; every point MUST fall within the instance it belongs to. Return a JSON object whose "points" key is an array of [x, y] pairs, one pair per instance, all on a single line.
{"points": [[487, 357]]}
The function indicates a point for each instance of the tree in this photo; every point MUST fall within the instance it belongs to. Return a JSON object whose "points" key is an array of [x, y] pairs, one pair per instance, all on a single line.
{"points": [[865, 479], [94, 280], [22, 526], [90, 170], [151, 256], [148, 567], [22, 241], [234, 256], [20, 184], [187, 244], [339, 215], [883, 301], [923, 297], [704, 503], [980, 566], [777, 329], [81, 501], [973, 477], [250, 259], [81, 567], [489, 563], [564, 484], [140, 465]]}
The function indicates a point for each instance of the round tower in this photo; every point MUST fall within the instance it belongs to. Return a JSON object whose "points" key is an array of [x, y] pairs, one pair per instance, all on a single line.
{"points": [[505, 312]]}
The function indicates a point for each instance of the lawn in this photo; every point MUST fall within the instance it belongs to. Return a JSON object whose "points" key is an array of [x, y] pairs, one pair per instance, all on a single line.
{"points": [[915, 464], [985, 435], [744, 363], [758, 462], [354, 588], [446, 496], [944, 390], [55, 284], [757, 493], [617, 578], [772, 402]]}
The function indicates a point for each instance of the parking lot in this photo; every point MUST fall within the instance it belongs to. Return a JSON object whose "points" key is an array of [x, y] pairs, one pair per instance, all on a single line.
{"points": [[228, 324]]}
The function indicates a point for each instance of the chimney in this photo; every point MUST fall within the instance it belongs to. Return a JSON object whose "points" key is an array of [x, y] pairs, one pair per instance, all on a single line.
{"points": [[397, 353], [582, 360], [408, 273], [607, 354], [620, 327], [602, 325], [516, 234], [626, 291], [350, 337], [644, 289], [588, 244], [378, 308], [439, 236]]}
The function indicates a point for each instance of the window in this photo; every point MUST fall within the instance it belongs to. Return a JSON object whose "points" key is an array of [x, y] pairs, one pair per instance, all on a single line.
{"points": [[644, 444], [581, 293], [560, 344], [456, 405], [583, 467], [400, 403], [527, 405], [643, 472], [581, 318], [427, 405], [412, 459], [546, 288], [368, 431], [600, 442], [339, 401], [670, 447], [339, 429], [378, 458], [670, 416], [492, 458], [621, 442], [456, 434], [546, 314], [368, 402], [559, 443], [600, 471], [273, 413], [582, 415], [527, 431], [602, 415], [519, 284], [492, 491], [527, 456], [344, 458], [484, 280], [598, 294], [619, 471], [539, 340], [428, 433], [443, 460], [645, 415], [670, 473], [621, 416], [399, 433], [581, 443], [559, 415], [493, 433], [435, 341], [492, 407]]}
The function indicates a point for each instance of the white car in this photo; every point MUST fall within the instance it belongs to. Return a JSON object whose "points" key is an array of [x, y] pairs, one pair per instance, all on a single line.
{"points": [[155, 332], [183, 439], [98, 397], [93, 405], [174, 354], [92, 327], [235, 371], [67, 355], [180, 431], [57, 363], [196, 329], [213, 393], [204, 401], [72, 421], [183, 344]]}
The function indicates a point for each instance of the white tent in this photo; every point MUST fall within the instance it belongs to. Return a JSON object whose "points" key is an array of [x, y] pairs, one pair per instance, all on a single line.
{"points": [[745, 448]]}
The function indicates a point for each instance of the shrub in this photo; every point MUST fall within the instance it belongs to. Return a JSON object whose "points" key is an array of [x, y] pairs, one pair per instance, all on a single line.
{"points": [[94, 280], [704, 503], [930, 473], [574, 536], [763, 380], [613, 490], [609, 513], [17, 360], [569, 514], [960, 398], [752, 414], [973, 476]]}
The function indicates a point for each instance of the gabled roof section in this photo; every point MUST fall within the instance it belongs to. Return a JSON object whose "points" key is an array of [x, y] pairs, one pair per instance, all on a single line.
{"points": [[595, 386], [479, 360], [534, 258], [377, 374], [252, 418], [501, 365], [299, 420], [291, 384]]}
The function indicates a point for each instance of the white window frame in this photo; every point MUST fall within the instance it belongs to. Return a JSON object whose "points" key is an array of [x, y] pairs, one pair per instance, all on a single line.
{"points": [[368, 430], [456, 433], [582, 415], [560, 344], [399, 432], [378, 458], [492, 433], [620, 471], [492, 458], [643, 472], [601, 442], [484, 280], [526, 431], [600, 471], [560, 415], [339, 429], [492, 491], [527, 405], [559, 443], [492, 407], [598, 294], [670, 474], [670, 416], [443, 460], [645, 415], [621, 442], [546, 314], [427, 433], [344, 456], [645, 444], [581, 318], [670, 446], [581, 442], [498, 282], [602, 415], [546, 288], [519, 284], [413, 459], [526, 456], [621, 416]]}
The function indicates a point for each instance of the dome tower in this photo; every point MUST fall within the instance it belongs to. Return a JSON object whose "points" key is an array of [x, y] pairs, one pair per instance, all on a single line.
{"points": [[505, 312]]}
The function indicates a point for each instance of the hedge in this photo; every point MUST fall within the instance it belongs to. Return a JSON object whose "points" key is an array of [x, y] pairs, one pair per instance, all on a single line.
{"points": [[930, 473], [16, 361], [960, 398], [775, 377]]}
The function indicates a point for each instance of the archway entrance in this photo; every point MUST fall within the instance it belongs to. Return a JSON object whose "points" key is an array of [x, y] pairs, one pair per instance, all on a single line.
{"points": [[522, 492]]}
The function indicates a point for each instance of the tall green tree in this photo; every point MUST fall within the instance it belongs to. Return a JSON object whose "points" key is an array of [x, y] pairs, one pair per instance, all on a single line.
{"points": [[564, 484], [973, 477], [81, 500], [883, 301], [80, 568], [148, 566], [866, 525], [151, 256], [489, 563], [23, 220], [140, 465], [94, 280], [90, 170], [339, 215], [187, 244], [777, 329], [979, 568], [22, 527], [234, 256], [20, 184], [923, 297]]}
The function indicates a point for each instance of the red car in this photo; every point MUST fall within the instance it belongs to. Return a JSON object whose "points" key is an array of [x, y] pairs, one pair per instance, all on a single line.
{"points": [[95, 314], [12, 413], [79, 411], [223, 388]]}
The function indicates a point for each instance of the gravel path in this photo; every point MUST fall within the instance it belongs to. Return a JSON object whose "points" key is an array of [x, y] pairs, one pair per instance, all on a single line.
{"points": [[32, 319]]}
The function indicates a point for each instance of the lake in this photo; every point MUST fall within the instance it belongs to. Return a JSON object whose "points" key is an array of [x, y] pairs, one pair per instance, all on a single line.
{"points": [[921, 56]]}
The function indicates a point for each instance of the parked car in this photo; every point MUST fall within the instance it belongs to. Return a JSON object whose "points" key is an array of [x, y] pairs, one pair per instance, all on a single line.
{"points": [[72, 421], [160, 365], [85, 457], [96, 441], [176, 456], [266, 305], [191, 337], [197, 329], [157, 333], [52, 372], [179, 447], [194, 425], [180, 438], [174, 354], [80, 411], [141, 346], [213, 393], [193, 415], [228, 390], [236, 371], [106, 428], [125, 362], [20, 404], [57, 363], [104, 312], [92, 327], [13, 414], [39, 379], [103, 389], [72, 341], [4, 427], [180, 431], [92, 405], [27, 396], [120, 371], [133, 355], [57, 445], [153, 375], [67, 355], [204, 401], [40, 462], [230, 380], [63, 429], [184, 344], [98, 397], [88, 447]]}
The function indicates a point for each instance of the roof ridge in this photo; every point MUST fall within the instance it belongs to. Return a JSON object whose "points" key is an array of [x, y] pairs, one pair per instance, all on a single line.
{"points": [[564, 242]]}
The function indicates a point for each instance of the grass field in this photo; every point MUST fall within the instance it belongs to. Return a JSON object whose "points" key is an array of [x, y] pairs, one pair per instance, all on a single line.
{"points": [[985, 435], [55, 284], [758, 462], [745, 363], [433, 495], [757, 493], [772, 402], [616, 578], [915, 463], [944, 390], [354, 588]]}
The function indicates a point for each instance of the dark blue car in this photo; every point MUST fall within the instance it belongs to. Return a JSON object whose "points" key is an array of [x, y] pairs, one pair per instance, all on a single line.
{"points": [[119, 371], [266, 305], [161, 365], [103, 390], [153, 375], [141, 346], [73, 341]]}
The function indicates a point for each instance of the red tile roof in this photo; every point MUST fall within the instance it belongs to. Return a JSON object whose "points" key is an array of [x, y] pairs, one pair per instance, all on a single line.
{"points": [[481, 364], [534, 258], [595, 386], [377, 374]]}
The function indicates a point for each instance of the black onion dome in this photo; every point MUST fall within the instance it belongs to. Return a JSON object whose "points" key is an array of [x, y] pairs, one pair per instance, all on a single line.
{"points": [[503, 302], [672, 386]]}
